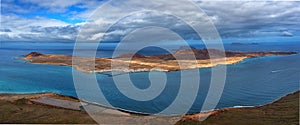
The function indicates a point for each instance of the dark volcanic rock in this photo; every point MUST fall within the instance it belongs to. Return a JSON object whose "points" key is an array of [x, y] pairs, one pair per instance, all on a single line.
{"points": [[33, 54], [131, 55], [192, 53]]}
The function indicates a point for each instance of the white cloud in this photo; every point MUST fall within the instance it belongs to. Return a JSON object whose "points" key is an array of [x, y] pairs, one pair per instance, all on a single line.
{"points": [[96, 36], [232, 19], [36, 29], [286, 33]]}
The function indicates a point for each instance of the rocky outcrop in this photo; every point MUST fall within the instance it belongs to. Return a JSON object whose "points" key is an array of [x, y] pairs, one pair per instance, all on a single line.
{"points": [[33, 54], [131, 55]]}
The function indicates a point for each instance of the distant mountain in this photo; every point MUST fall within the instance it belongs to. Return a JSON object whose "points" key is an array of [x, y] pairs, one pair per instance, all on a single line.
{"points": [[239, 43]]}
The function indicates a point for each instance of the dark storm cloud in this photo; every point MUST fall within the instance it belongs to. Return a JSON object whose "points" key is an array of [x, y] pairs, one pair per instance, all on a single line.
{"points": [[5, 30]]}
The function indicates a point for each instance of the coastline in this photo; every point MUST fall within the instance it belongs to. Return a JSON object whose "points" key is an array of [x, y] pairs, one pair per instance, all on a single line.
{"points": [[128, 63], [204, 113], [283, 111], [243, 107], [30, 99]]}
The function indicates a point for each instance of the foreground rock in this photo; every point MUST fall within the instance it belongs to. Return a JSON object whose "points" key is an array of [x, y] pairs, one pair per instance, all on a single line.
{"points": [[182, 59], [284, 111], [52, 108], [21, 108]]}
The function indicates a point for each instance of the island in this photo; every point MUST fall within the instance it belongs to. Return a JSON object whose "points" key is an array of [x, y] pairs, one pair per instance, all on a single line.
{"points": [[182, 59]]}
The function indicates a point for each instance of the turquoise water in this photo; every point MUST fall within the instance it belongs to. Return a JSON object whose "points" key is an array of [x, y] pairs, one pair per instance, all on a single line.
{"points": [[249, 83]]}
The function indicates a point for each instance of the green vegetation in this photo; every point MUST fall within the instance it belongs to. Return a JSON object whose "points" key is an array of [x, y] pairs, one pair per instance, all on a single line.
{"points": [[22, 101]]}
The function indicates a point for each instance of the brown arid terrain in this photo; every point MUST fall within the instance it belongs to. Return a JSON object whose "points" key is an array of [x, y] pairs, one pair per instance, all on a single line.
{"points": [[284, 111], [21, 108], [32, 108], [182, 59]]}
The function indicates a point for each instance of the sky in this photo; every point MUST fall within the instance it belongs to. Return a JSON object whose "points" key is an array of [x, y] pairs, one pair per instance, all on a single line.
{"points": [[61, 20]]}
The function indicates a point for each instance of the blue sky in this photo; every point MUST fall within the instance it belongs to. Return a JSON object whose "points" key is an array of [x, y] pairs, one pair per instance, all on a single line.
{"points": [[27, 9], [61, 20]]}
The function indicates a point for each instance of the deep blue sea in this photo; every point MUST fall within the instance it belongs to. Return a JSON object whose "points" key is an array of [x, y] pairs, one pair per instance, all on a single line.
{"points": [[249, 83]]}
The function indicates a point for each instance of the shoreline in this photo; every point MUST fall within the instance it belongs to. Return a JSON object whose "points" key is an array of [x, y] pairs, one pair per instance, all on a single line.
{"points": [[182, 59], [12, 97], [20, 111], [215, 114]]}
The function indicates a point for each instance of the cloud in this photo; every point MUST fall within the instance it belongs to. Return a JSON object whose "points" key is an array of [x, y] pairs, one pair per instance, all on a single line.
{"points": [[286, 33], [53, 5], [232, 19], [16, 28], [5, 30], [243, 19], [66, 9]]}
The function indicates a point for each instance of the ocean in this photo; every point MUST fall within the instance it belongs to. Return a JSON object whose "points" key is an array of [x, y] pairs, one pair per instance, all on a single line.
{"points": [[252, 82]]}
